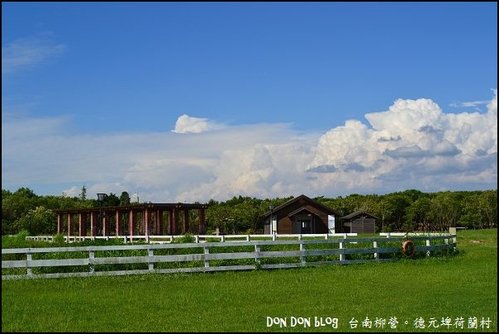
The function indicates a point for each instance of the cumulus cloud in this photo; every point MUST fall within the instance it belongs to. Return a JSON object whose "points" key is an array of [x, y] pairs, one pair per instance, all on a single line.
{"points": [[24, 53], [188, 124], [413, 144], [410, 143]]}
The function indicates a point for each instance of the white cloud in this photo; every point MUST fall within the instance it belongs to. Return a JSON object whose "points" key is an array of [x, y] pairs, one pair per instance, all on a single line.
{"points": [[24, 53], [472, 104], [413, 144], [188, 124], [160, 166]]}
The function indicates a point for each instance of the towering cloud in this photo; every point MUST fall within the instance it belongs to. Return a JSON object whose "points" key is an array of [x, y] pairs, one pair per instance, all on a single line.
{"points": [[413, 144]]}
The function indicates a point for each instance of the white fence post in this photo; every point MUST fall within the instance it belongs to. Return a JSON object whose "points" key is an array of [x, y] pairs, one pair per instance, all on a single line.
{"points": [[91, 256], [257, 255], [29, 271], [150, 253], [206, 252], [453, 232], [428, 244], [375, 245], [302, 251], [342, 256]]}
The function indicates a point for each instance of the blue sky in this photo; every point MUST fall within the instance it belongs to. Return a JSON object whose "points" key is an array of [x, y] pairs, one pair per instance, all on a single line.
{"points": [[188, 101]]}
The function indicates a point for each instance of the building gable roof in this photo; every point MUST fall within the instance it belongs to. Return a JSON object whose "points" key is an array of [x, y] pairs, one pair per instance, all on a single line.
{"points": [[308, 202], [307, 208]]}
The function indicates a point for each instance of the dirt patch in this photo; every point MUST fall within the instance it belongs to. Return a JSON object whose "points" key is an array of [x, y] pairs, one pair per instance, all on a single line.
{"points": [[476, 241]]}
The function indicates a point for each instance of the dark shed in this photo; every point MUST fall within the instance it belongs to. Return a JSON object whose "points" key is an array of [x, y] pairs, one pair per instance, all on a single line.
{"points": [[359, 222], [300, 215]]}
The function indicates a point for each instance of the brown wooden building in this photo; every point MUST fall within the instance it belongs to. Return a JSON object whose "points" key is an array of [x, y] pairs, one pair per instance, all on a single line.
{"points": [[300, 215], [359, 222], [137, 219]]}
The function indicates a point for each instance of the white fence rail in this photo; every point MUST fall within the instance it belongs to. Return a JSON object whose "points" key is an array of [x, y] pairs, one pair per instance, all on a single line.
{"points": [[197, 238], [409, 234], [209, 256]]}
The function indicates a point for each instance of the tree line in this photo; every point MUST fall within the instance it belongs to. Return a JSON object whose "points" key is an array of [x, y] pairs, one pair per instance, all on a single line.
{"points": [[410, 210], [24, 210]]}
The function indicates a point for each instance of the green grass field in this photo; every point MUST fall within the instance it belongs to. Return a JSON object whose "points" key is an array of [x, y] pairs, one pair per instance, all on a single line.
{"points": [[461, 286]]}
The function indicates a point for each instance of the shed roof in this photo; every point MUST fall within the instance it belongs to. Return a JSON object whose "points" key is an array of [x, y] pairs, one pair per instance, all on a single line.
{"points": [[357, 214]]}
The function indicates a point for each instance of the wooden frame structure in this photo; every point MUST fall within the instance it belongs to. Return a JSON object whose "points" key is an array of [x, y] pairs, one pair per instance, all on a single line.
{"points": [[136, 219]]}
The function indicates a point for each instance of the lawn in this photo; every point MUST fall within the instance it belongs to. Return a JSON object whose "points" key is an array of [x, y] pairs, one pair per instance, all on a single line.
{"points": [[447, 292]]}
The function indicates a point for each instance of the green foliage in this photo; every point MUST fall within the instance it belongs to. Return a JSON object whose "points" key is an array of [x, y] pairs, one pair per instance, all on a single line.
{"points": [[59, 240], [19, 241], [109, 200], [418, 215], [445, 210], [124, 198], [38, 221], [83, 193], [478, 209], [16, 206], [186, 238]]}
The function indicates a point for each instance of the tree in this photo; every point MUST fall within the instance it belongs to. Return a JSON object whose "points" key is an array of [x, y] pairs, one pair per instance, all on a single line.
{"points": [[83, 193], [38, 221], [417, 215], [218, 215], [394, 210], [471, 216], [124, 198], [14, 206], [445, 210], [488, 207], [111, 200]]}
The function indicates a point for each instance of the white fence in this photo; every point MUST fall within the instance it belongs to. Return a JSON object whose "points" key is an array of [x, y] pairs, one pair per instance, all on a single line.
{"points": [[209, 256], [197, 238], [410, 234]]}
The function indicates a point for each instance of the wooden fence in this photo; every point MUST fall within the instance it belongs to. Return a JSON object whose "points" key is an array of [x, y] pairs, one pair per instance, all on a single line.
{"points": [[211, 256]]}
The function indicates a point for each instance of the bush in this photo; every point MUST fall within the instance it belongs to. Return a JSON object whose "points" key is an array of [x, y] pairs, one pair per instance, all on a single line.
{"points": [[59, 240], [186, 238]]}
